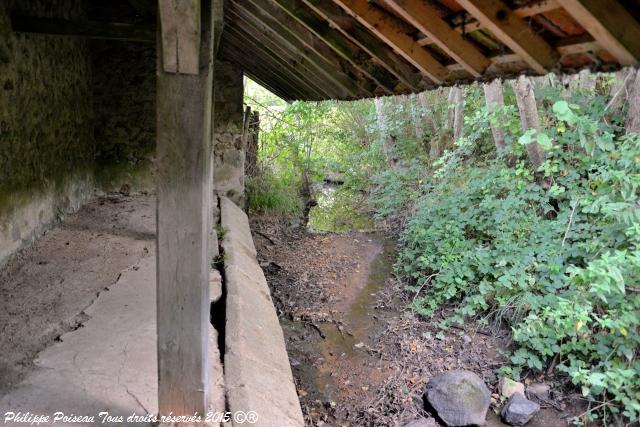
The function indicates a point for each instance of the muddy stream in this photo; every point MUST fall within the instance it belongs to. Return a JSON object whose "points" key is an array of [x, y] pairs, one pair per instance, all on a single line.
{"points": [[359, 356]]}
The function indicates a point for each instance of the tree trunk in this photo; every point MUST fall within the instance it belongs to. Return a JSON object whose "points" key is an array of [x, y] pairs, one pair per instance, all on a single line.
{"points": [[620, 90], [388, 140], [587, 82], [529, 117], [416, 117], [633, 114], [427, 113], [495, 101], [458, 114], [451, 101], [253, 137]]}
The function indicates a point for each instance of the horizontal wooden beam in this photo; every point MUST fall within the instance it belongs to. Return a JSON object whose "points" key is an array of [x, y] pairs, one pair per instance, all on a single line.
{"points": [[387, 30], [89, 29], [514, 32], [569, 46], [426, 18], [611, 25]]}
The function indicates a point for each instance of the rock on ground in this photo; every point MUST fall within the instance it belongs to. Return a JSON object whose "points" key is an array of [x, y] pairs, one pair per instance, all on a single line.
{"points": [[422, 422], [508, 387], [519, 410], [460, 398], [538, 392]]}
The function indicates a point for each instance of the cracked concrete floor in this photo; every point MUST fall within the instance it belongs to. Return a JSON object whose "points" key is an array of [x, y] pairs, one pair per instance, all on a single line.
{"points": [[105, 360]]}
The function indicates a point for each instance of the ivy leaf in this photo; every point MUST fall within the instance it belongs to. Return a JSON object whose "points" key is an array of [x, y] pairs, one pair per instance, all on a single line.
{"points": [[563, 111], [544, 141]]}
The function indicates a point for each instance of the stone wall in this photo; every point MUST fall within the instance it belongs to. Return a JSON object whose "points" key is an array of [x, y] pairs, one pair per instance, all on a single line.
{"points": [[46, 124], [228, 132], [124, 99]]}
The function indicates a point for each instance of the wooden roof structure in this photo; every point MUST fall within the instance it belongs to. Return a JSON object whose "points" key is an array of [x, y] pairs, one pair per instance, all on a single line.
{"points": [[346, 49], [349, 49]]}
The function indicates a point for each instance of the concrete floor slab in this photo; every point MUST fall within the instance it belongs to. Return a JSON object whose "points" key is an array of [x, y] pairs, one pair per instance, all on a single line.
{"points": [[107, 365]]}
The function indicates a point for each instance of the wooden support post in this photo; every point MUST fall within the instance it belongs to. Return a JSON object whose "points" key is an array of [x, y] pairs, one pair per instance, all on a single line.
{"points": [[184, 224]]}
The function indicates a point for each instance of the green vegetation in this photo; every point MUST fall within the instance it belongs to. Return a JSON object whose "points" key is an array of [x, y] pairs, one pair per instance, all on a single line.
{"points": [[550, 252]]}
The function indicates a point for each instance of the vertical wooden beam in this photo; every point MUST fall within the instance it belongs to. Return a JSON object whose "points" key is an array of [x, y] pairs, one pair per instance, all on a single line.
{"points": [[611, 25], [514, 32], [180, 29], [184, 224]]}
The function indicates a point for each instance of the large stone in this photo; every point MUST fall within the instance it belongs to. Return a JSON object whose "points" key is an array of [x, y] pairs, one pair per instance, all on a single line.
{"points": [[460, 398], [508, 387], [519, 410]]}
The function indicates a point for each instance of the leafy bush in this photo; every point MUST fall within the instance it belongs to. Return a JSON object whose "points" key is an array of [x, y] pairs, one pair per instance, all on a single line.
{"points": [[394, 189], [268, 194], [553, 255]]}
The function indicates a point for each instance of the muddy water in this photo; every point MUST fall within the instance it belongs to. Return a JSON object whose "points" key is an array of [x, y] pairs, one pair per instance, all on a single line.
{"points": [[345, 343]]}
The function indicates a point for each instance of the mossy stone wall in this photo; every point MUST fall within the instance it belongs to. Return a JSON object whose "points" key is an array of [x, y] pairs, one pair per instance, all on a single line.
{"points": [[228, 131], [46, 119], [124, 100]]}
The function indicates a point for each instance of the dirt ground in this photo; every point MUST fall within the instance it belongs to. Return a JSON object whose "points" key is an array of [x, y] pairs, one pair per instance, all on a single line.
{"points": [[359, 356], [46, 288]]}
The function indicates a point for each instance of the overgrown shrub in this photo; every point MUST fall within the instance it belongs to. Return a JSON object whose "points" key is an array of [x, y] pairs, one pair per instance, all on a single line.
{"points": [[394, 189], [273, 195], [555, 255]]}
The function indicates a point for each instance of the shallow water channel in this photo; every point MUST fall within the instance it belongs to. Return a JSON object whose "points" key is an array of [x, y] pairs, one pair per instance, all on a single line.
{"points": [[330, 354], [330, 357]]}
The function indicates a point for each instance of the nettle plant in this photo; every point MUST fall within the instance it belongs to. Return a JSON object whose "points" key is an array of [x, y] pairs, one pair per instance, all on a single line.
{"points": [[552, 254]]}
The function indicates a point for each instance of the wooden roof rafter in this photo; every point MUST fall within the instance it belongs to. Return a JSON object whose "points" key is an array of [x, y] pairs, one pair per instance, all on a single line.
{"points": [[348, 49], [341, 45], [610, 24], [463, 25], [359, 35], [391, 33], [284, 25], [262, 72], [282, 59], [514, 32], [427, 19], [296, 56]]}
